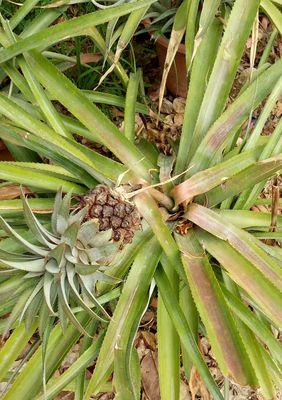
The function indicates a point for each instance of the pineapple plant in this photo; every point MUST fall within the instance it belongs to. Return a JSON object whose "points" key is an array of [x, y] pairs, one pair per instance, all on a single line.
{"points": [[62, 268], [202, 248]]}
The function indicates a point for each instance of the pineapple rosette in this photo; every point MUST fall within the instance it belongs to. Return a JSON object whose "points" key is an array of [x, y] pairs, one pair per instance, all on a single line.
{"points": [[62, 265]]}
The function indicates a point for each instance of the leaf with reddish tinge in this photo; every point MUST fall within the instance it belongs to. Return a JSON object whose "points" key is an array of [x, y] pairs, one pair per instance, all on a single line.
{"points": [[242, 241], [263, 294], [226, 126], [215, 314], [245, 179], [212, 177]]}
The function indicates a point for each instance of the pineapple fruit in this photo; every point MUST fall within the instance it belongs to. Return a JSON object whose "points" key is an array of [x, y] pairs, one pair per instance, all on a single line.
{"points": [[112, 211]]}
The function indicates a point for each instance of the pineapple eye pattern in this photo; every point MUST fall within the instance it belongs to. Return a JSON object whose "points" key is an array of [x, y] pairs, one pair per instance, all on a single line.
{"points": [[65, 261], [112, 212]]}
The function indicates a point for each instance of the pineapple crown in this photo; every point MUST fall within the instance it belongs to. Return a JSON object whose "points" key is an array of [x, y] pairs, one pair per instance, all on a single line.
{"points": [[62, 264]]}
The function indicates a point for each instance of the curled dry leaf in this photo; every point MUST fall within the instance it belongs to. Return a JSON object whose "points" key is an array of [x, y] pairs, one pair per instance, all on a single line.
{"points": [[9, 192]]}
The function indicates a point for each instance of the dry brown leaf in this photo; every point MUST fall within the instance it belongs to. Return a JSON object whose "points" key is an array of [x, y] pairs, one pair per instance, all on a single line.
{"points": [[65, 396], [184, 391], [71, 357], [150, 377], [260, 208], [10, 192], [178, 119], [104, 396], [140, 345], [86, 58], [167, 106], [147, 317], [278, 109], [2, 146], [149, 340], [197, 386], [154, 302], [264, 23], [249, 43], [168, 120], [179, 105], [173, 45], [5, 155]]}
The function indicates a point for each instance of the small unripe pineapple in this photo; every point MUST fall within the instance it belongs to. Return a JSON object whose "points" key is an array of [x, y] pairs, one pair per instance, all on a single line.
{"points": [[112, 211]]}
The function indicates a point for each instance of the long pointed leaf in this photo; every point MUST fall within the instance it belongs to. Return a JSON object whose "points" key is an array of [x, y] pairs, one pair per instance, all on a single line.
{"points": [[221, 329], [70, 276], [227, 61], [255, 324], [89, 114], [230, 120], [68, 29], [130, 305], [30, 247], [29, 382], [66, 308], [55, 386], [206, 180], [184, 332], [240, 240], [14, 346], [241, 271], [251, 177]]}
